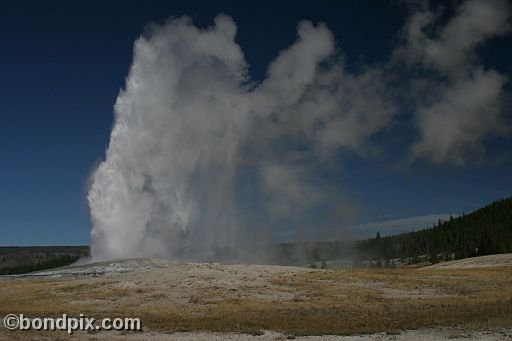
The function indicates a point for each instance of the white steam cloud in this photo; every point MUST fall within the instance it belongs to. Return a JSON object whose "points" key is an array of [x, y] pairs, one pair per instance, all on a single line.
{"points": [[461, 104], [190, 120]]}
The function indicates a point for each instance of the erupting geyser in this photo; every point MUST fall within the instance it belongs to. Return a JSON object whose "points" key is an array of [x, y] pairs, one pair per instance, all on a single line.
{"points": [[191, 123], [166, 186]]}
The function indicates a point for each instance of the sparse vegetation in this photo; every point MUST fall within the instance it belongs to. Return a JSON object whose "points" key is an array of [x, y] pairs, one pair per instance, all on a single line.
{"points": [[312, 302]]}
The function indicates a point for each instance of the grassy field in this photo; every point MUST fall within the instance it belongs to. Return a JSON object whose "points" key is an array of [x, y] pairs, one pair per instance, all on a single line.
{"points": [[309, 302]]}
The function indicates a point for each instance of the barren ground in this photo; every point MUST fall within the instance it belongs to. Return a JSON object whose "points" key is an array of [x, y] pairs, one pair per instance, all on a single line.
{"points": [[188, 301]]}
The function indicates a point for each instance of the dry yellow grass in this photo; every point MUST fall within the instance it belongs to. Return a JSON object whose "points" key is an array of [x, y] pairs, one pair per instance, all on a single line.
{"points": [[316, 302]]}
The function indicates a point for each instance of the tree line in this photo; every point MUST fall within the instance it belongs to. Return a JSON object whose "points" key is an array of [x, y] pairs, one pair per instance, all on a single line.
{"points": [[43, 265], [486, 231]]}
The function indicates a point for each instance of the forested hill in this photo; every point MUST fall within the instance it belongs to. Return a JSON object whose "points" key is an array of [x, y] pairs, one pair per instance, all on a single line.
{"points": [[485, 231]]}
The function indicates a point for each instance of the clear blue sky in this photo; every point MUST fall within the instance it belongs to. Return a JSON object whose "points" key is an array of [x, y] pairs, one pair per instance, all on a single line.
{"points": [[62, 65]]}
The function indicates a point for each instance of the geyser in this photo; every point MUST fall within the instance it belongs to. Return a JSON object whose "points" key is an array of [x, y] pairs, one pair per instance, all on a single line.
{"points": [[187, 121], [190, 124]]}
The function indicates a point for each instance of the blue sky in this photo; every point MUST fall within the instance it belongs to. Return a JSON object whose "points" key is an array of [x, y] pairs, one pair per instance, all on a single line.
{"points": [[62, 65]]}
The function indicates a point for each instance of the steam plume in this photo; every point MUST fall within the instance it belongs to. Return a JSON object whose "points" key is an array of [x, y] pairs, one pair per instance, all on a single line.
{"points": [[191, 124]]}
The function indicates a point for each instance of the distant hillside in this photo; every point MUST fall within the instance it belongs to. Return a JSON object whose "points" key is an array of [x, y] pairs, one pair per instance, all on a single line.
{"points": [[485, 231], [16, 260]]}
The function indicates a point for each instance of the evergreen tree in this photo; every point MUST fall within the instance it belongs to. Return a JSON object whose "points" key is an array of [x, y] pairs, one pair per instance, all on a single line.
{"points": [[485, 231]]}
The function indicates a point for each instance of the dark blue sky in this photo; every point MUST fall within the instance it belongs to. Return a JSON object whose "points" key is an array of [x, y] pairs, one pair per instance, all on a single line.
{"points": [[62, 65]]}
